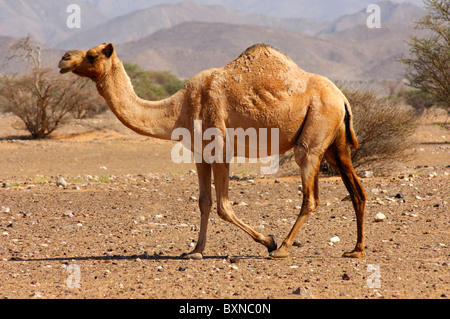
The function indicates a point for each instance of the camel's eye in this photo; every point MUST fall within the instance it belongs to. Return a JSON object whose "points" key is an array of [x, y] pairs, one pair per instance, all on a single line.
{"points": [[91, 58]]}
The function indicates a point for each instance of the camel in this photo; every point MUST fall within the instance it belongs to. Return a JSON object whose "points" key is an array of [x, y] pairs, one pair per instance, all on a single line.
{"points": [[262, 88]]}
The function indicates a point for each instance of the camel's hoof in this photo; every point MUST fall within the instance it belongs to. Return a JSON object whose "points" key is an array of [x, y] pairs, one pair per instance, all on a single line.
{"points": [[272, 244], [194, 256], [279, 253], [353, 254]]}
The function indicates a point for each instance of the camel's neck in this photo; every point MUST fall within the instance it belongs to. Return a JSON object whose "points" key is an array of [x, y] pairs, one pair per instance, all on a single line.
{"points": [[156, 119]]}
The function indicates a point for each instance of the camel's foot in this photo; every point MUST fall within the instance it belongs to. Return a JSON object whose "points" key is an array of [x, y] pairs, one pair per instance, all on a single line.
{"points": [[272, 245], [353, 254], [193, 255], [281, 252]]}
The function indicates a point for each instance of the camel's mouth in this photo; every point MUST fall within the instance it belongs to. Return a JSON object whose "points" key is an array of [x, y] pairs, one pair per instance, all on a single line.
{"points": [[70, 61], [66, 70], [66, 66]]}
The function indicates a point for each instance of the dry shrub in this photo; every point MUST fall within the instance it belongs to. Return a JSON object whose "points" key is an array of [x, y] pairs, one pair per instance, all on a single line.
{"points": [[42, 99], [383, 127]]}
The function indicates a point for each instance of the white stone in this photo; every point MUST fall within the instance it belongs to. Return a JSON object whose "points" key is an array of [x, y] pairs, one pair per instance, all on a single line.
{"points": [[61, 182], [335, 239], [379, 217], [5, 210], [367, 174]]}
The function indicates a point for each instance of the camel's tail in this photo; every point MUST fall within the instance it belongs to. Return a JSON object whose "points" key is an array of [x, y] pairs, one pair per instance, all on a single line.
{"points": [[351, 136]]}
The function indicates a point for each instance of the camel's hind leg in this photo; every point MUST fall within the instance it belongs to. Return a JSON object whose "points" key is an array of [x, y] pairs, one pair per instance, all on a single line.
{"points": [[338, 156], [309, 167], [317, 135]]}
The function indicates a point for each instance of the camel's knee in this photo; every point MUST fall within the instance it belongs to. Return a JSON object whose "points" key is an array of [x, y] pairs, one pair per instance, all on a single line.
{"points": [[362, 195], [301, 150], [308, 206], [205, 203]]}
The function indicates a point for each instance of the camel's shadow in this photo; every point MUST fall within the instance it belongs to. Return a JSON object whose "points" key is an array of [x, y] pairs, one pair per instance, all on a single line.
{"points": [[130, 257]]}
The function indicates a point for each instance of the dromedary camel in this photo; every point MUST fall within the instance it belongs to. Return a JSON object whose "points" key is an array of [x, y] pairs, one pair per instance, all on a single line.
{"points": [[262, 88]]}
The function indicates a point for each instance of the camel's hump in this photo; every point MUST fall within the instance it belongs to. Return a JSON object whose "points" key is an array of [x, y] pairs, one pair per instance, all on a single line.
{"points": [[259, 56], [260, 47]]}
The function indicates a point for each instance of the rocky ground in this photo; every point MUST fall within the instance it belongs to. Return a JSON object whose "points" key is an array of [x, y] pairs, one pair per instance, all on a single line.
{"points": [[97, 211]]}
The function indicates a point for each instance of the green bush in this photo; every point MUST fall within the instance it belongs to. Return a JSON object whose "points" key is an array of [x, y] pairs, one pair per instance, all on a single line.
{"points": [[419, 100], [428, 62], [153, 85]]}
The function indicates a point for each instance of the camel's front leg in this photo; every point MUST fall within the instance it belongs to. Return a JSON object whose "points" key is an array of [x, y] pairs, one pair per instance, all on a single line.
{"points": [[205, 202], [221, 180]]}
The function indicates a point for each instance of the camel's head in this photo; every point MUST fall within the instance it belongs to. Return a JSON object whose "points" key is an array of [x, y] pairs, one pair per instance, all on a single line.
{"points": [[93, 63]]}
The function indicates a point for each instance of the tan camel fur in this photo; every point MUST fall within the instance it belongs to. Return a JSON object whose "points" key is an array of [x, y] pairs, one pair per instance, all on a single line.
{"points": [[262, 88]]}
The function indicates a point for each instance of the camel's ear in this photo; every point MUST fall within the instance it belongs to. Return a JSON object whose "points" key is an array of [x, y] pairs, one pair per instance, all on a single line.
{"points": [[108, 50]]}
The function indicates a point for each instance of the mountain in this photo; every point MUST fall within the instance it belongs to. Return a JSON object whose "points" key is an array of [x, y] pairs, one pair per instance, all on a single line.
{"points": [[324, 10], [141, 23], [378, 50], [188, 37], [191, 47], [44, 19], [401, 14]]}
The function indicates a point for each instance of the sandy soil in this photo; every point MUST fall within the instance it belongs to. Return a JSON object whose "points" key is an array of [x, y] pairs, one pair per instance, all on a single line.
{"points": [[117, 229]]}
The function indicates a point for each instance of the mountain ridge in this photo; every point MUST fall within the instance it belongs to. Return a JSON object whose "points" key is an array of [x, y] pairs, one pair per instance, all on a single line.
{"points": [[202, 45], [44, 19], [188, 37], [141, 23], [135, 25], [324, 10]]}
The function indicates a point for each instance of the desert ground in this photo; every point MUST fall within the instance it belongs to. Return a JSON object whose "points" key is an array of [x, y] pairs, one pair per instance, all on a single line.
{"points": [[126, 212]]}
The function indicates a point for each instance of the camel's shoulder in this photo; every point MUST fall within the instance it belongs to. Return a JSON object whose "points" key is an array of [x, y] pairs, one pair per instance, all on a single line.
{"points": [[198, 81]]}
